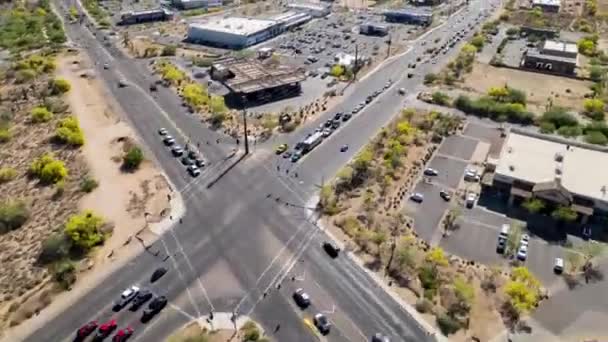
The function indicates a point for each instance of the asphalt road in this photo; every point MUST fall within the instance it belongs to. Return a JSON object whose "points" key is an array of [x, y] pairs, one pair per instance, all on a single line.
{"points": [[247, 233]]}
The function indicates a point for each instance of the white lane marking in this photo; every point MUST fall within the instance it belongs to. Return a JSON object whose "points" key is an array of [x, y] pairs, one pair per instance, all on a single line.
{"points": [[181, 276], [200, 284]]}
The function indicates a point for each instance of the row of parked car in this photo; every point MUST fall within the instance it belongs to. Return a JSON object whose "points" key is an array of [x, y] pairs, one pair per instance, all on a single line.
{"points": [[135, 296], [193, 161]]}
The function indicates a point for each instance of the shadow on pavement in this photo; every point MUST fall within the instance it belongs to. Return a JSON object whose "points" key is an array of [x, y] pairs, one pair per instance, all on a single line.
{"points": [[223, 173]]}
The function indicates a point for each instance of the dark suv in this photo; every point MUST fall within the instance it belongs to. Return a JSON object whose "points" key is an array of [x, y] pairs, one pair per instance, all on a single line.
{"points": [[332, 250]]}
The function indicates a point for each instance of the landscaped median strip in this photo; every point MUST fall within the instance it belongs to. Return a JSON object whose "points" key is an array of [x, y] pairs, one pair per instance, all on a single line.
{"points": [[308, 323]]}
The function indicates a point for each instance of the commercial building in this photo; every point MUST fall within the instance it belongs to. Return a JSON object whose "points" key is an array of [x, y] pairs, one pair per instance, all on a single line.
{"points": [[411, 15], [192, 4], [232, 32], [136, 17], [249, 81], [372, 29], [291, 19], [559, 172], [316, 10], [427, 2], [547, 5], [552, 57]]}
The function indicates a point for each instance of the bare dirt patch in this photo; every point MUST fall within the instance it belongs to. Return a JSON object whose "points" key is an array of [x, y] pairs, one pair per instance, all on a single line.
{"points": [[562, 91]]}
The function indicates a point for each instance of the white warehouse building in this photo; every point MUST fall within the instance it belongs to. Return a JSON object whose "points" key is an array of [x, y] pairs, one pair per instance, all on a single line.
{"points": [[316, 10], [233, 32], [190, 4]]}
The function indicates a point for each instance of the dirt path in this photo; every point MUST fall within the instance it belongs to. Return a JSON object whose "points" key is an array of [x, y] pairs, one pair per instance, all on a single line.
{"points": [[121, 198]]}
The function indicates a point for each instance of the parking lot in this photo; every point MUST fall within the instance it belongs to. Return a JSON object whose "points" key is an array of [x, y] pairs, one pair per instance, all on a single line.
{"points": [[477, 235], [316, 43]]}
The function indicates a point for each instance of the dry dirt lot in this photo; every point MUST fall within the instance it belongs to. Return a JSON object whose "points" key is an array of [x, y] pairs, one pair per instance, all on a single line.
{"points": [[538, 87], [121, 198]]}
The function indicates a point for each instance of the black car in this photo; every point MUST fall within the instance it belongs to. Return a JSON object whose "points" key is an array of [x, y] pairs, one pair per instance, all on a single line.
{"points": [[337, 116], [332, 250], [158, 273], [322, 323], [142, 297], [199, 162], [301, 298], [299, 146], [328, 123], [335, 124], [192, 154], [501, 246], [346, 117], [187, 161], [154, 308]]}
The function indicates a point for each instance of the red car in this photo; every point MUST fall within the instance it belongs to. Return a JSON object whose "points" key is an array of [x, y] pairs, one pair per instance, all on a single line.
{"points": [[106, 329], [86, 330], [122, 335]]}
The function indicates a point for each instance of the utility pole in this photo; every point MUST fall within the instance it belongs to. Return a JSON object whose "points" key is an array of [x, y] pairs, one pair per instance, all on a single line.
{"points": [[245, 125], [356, 66], [388, 50]]}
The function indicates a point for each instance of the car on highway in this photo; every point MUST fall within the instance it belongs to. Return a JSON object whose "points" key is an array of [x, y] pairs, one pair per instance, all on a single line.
{"points": [[85, 331], [194, 171], [401, 91], [169, 140], [177, 150], [122, 335], [105, 329], [430, 172], [122, 83], [157, 274], [417, 197], [296, 156], [125, 297], [143, 296], [470, 201], [335, 124], [378, 337], [106, 66], [344, 148], [331, 249], [155, 306], [445, 195], [281, 148], [153, 87], [327, 132], [558, 266], [299, 146], [301, 298], [322, 323], [162, 131]]}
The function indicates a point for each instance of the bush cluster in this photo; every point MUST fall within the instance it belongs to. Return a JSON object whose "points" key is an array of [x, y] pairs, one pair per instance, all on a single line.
{"points": [[13, 214], [41, 114], [69, 132], [498, 111], [133, 158], [48, 169]]}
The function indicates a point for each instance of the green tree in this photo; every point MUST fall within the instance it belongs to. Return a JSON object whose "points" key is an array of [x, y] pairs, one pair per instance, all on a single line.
{"points": [[60, 86], [84, 230], [54, 248], [13, 214], [522, 298], [217, 104], [440, 98], [195, 95], [498, 93], [587, 46], [564, 214], [533, 205], [133, 158], [337, 71], [48, 169], [597, 73], [41, 114], [436, 257], [478, 41], [430, 78]]}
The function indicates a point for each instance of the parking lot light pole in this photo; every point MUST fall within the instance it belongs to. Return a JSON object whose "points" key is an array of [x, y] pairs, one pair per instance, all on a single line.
{"points": [[245, 125]]}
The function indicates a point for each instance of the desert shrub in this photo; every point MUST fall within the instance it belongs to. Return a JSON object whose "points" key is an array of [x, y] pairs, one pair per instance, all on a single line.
{"points": [[448, 325], [59, 86], [488, 107], [546, 127], [56, 105], [88, 184], [570, 131], [424, 305], [133, 158], [69, 132], [250, 332], [54, 248], [84, 230], [7, 174], [429, 277], [596, 138], [337, 71], [13, 214], [169, 50], [64, 273], [5, 134], [217, 119], [48, 169], [441, 99], [430, 78], [559, 117], [41, 114]]}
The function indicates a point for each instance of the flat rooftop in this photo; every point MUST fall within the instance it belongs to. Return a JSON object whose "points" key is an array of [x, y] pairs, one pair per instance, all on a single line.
{"points": [[410, 11], [554, 45], [533, 52], [546, 2], [310, 6], [235, 25], [250, 75], [533, 159]]}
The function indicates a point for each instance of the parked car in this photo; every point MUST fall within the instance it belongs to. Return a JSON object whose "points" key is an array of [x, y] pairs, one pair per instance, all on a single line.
{"points": [[322, 323], [522, 253], [281, 148], [85, 331], [417, 197], [199, 161], [471, 198], [445, 195], [143, 296], [125, 297], [502, 238], [123, 334], [157, 274], [331, 249], [558, 266], [187, 161], [162, 131], [344, 148], [155, 306], [430, 172], [169, 140], [194, 171], [177, 150], [378, 337], [296, 156], [346, 116], [401, 91], [301, 298], [122, 83]]}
